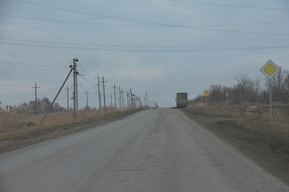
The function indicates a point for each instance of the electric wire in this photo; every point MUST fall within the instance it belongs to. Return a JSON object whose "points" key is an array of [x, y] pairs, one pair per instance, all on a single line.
{"points": [[26, 67], [30, 40], [32, 58], [150, 22], [136, 48], [145, 25], [19, 29], [232, 6]]}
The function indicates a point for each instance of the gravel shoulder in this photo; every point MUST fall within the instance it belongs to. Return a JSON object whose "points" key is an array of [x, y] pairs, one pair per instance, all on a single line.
{"points": [[269, 150]]}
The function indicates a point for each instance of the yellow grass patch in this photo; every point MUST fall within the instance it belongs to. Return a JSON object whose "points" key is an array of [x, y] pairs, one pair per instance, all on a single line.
{"points": [[14, 123]]}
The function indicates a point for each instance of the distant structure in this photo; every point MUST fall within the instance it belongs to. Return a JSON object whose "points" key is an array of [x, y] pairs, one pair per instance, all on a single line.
{"points": [[182, 100]]}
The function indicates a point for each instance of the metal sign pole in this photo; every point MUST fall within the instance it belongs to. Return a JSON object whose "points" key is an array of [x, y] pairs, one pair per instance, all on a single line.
{"points": [[206, 103], [270, 101], [206, 93], [270, 69]]}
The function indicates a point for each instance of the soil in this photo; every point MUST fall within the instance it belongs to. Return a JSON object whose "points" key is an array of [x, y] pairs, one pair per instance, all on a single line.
{"points": [[269, 150]]}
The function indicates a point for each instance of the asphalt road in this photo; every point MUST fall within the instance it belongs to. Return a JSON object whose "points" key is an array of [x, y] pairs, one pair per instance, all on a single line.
{"points": [[152, 150]]}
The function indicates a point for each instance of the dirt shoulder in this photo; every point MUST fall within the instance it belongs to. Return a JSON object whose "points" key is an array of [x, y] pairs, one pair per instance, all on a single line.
{"points": [[39, 135], [269, 150]]}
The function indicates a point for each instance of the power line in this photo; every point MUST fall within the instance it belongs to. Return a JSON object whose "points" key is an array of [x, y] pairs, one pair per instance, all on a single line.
{"points": [[150, 22], [232, 6], [30, 40], [31, 69], [85, 13], [146, 25], [19, 43], [28, 66], [87, 74], [19, 29], [87, 45], [78, 22], [123, 48], [25, 57]]}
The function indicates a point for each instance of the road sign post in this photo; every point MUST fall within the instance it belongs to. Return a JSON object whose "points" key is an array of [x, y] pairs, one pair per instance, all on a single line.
{"points": [[206, 93], [270, 69]]}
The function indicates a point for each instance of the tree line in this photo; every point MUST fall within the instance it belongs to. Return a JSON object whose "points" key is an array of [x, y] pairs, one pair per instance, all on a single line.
{"points": [[41, 106], [249, 90]]}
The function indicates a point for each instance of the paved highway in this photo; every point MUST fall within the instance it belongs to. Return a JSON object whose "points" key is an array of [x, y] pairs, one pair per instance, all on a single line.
{"points": [[157, 150]]}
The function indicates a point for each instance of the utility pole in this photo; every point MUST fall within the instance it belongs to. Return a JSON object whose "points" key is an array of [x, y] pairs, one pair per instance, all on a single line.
{"points": [[127, 99], [122, 100], [99, 93], [111, 100], [35, 104], [148, 102], [86, 93], [114, 95], [119, 92], [131, 96], [144, 101], [75, 94], [67, 93], [103, 86]]}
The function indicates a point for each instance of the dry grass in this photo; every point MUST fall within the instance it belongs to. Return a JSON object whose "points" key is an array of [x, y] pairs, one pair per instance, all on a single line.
{"points": [[14, 123], [259, 122], [228, 111]]}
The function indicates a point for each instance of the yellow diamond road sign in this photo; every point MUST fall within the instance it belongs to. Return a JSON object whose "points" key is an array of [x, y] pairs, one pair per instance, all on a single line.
{"points": [[206, 92], [270, 69]]}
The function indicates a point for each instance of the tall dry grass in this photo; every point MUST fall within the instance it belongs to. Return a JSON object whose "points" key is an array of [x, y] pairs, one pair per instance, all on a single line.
{"points": [[13, 122]]}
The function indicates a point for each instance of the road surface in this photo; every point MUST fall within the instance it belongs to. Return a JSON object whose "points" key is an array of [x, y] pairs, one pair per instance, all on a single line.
{"points": [[157, 150]]}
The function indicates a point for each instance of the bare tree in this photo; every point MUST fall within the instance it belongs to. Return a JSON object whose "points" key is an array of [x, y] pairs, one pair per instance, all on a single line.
{"points": [[280, 86], [247, 89]]}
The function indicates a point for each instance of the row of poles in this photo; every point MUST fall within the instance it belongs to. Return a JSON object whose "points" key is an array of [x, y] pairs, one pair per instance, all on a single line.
{"points": [[130, 95], [74, 71]]}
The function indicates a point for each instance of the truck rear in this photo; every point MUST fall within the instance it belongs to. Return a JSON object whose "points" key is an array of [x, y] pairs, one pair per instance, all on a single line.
{"points": [[182, 100]]}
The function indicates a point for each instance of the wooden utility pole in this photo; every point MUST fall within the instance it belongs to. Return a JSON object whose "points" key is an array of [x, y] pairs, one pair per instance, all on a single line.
{"points": [[86, 93], [75, 94], [99, 93], [114, 87], [67, 93], [103, 87], [119, 92], [35, 104]]}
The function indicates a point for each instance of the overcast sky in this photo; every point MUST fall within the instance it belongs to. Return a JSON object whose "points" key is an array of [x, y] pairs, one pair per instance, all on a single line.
{"points": [[156, 46]]}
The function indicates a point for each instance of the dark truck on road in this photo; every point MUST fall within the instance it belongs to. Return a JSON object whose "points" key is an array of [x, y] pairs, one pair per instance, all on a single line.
{"points": [[182, 100]]}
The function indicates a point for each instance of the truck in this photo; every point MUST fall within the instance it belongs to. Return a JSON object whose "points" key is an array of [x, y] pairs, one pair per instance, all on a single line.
{"points": [[182, 100]]}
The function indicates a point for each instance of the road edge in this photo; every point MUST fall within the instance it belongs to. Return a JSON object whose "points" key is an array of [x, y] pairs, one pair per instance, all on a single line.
{"points": [[265, 159]]}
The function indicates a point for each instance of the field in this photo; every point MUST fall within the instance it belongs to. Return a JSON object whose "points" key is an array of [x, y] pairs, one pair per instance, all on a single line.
{"points": [[257, 121], [19, 129]]}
